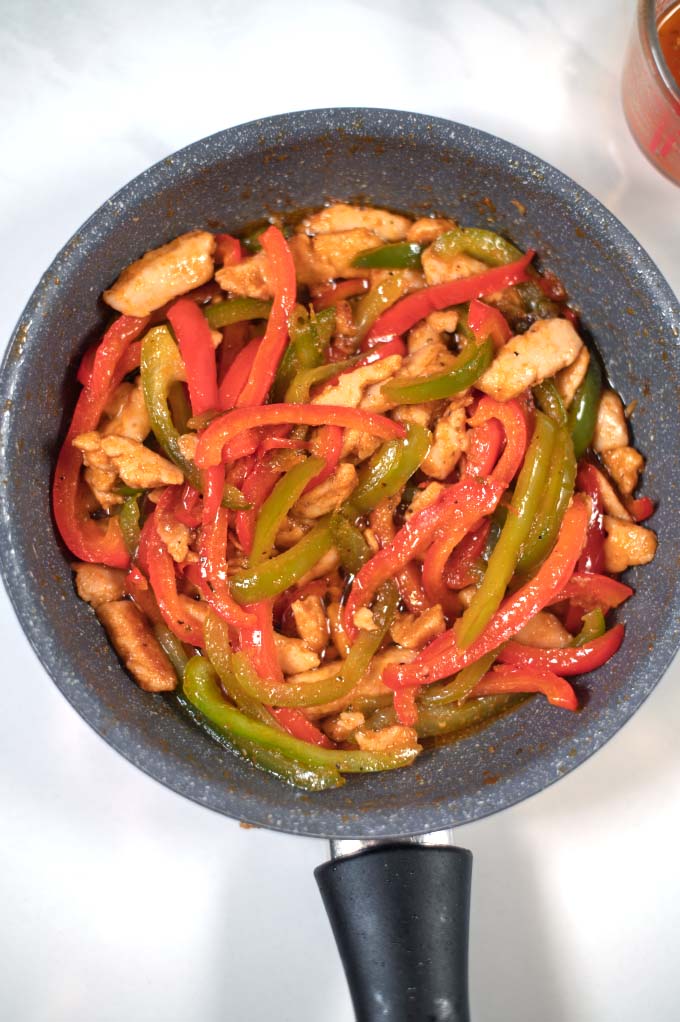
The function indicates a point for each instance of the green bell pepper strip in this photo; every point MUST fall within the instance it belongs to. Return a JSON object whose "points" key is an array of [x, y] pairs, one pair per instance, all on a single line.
{"points": [[401, 255], [202, 700], [547, 397], [378, 300], [468, 366], [302, 383], [285, 494], [279, 573], [460, 685], [180, 409], [128, 519], [203, 691], [583, 409], [593, 627], [348, 540], [161, 366], [556, 496], [536, 302], [310, 335], [487, 246], [173, 648], [501, 565], [390, 468], [218, 651], [236, 310], [447, 720]]}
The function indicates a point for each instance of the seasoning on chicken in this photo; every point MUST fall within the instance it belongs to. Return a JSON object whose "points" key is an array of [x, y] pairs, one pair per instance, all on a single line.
{"points": [[548, 346]]}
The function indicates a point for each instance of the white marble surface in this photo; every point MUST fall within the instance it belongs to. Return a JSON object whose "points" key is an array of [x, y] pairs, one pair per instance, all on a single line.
{"points": [[120, 900]]}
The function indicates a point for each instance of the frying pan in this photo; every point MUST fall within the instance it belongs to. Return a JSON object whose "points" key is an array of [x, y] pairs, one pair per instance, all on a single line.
{"points": [[396, 890]]}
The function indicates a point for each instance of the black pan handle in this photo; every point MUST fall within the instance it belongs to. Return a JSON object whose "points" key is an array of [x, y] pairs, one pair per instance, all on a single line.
{"points": [[400, 916]]}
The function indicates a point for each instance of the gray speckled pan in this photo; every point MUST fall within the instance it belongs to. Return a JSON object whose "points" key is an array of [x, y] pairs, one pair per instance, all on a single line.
{"points": [[408, 162]]}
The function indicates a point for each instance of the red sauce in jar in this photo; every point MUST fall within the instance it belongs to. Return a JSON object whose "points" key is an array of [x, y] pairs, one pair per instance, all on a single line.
{"points": [[669, 38]]}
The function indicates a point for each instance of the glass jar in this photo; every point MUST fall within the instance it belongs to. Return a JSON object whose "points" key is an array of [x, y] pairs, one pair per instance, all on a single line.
{"points": [[651, 95]]}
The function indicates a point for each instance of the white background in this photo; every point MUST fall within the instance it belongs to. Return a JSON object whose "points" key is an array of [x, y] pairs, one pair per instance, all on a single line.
{"points": [[118, 899]]}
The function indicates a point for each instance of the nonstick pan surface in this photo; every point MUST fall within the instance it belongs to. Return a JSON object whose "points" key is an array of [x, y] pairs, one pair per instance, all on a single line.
{"points": [[407, 162]]}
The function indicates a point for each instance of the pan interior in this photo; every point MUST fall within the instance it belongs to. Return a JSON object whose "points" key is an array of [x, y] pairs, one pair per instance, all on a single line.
{"points": [[406, 162]]}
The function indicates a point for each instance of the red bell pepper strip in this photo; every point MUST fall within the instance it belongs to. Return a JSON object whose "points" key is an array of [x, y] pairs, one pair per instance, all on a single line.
{"points": [[86, 539], [234, 340], [442, 657], [228, 250], [213, 567], [156, 561], [592, 558], [257, 641], [238, 374], [257, 486], [408, 577], [567, 661], [324, 297], [410, 310], [461, 505], [514, 423], [591, 591], [459, 571], [640, 508], [282, 277], [188, 507], [129, 361], [487, 321], [296, 724], [197, 350], [228, 426], [382, 348], [486, 444], [327, 444], [113, 345], [507, 679], [213, 488]]}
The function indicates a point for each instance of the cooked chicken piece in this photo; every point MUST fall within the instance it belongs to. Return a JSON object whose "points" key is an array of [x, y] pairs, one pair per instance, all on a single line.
{"points": [[351, 387], [450, 439], [344, 320], [388, 738], [424, 498], [427, 229], [249, 277], [290, 532], [438, 270], [163, 274], [466, 595], [611, 428], [329, 494], [176, 536], [135, 464], [547, 346], [328, 256], [134, 642], [324, 566], [570, 379], [369, 686], [338, 634], [363, 618], [426, 359], [97, 584], [340, 728], [370, 537], [294, 655], [431, 329], [545, 631], [127, 413], [420, 415], [357, 446], [626, 544], [415, 630], [342, 217], [311, 622], [611, 502], [624, 464], [188, 442]]}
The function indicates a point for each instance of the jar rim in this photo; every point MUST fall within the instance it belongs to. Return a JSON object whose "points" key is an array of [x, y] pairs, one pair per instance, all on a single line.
{"points": [[648, 24]]}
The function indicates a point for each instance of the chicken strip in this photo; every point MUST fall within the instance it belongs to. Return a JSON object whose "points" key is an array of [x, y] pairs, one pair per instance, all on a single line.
{"points": [[163, 274], [547, 346], [97, 584], [132, 638], [626, 544], [343, 217], [611, 428]]}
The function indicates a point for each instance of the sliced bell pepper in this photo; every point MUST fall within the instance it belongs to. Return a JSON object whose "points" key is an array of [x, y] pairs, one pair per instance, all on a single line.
{"points": [[486, 321], [554, 501], [188, 508], [228, 250], [111, 349], [390, 468], [514, 679], [436, 721], [582, 413], [461, 685], [296, 724], [640, 508], [523, 507], [268, 356], [514, 423], [463, 567], [443, 657], [592, 558], [236, 310], [373, 305], [285, 494], [339, 291], [408, 577], [547, 397], [414, 307], [257, 486], [487, 246], [464, 371], [160, 567], [278, 573], [198, 353], [161, 366], [310, 335], [300, 386], [129, 524], [567, 661], [588, 591], [228, 426], [237, 374], [213, 568], [327, 445], [400, 255]]}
